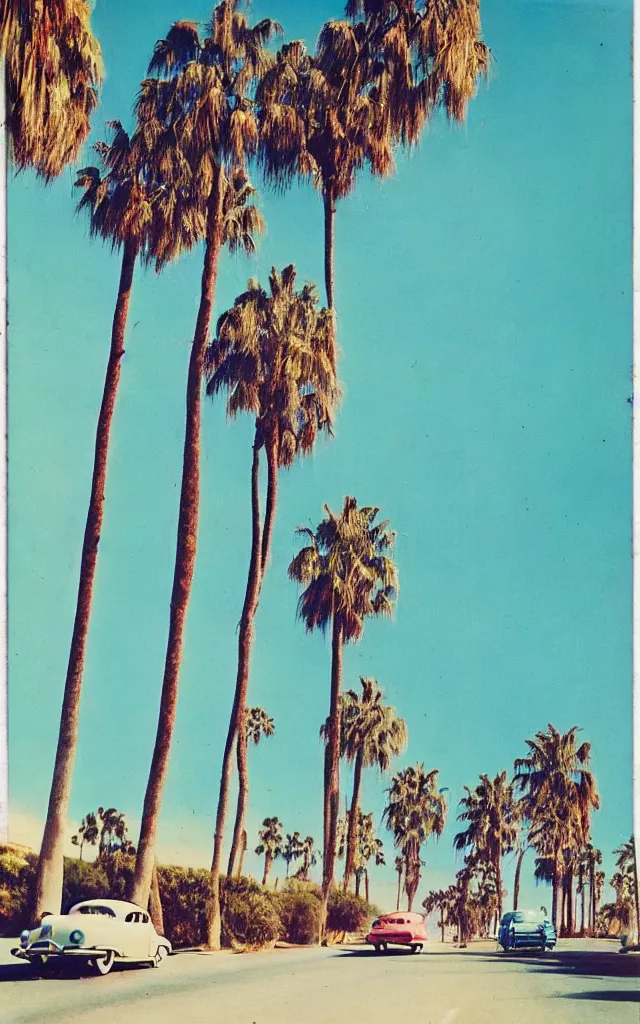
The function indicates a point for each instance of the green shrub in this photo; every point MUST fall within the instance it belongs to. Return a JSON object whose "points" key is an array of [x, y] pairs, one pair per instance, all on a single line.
{"points": [[300, 906], [251, 919], [184, 893], [17, 873], [347, 912]]}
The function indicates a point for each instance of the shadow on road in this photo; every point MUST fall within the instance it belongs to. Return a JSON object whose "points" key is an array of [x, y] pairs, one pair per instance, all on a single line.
{"points": [[66, 972], [583, 963], [398, 951], [624, 995]]}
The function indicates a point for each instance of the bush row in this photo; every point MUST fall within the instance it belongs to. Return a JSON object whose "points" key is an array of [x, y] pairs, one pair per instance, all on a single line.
{"points": [[251, 914]]}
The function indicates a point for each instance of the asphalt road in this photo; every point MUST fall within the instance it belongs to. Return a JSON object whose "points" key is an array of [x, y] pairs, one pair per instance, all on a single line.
{"points": [[580, 983]]}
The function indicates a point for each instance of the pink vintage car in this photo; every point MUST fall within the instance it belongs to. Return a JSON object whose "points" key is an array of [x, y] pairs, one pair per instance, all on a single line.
{"points": [[403, 928]]}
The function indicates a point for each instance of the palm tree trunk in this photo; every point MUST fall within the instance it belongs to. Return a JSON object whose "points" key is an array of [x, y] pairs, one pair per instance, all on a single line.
{"points": [[271, 446], [186, 544], [4, 709], [243, 850], [516, 880], [554, 895], [499, 884], [399, 890], [582, 907], [592, 899], [442, 927], [332, 796], [329, 221], [236, 722], [267, 867], [352, 830], [570, 902], [243, 795], [48, 881], [366, 885], [155, 903], [357, 883]]}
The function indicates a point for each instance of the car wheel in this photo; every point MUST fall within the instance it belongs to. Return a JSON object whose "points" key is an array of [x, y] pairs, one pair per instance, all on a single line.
{"points": [[161, 953], [416, 949], [376, 947], [104, 964], [512, 940], [384, 947]]}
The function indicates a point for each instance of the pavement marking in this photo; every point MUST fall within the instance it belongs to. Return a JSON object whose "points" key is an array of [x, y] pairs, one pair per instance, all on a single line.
{"points": [[449, 1017]]}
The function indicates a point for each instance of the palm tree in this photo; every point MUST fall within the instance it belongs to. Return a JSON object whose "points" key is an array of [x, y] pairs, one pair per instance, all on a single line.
{"points": [[317, 122], [270, 836], [309, 858], [199, 96], [348, 574], [436, 899], [120, 209], [292, 850], [273, 357], [416, 810], [372, 734], [257, 724], [628, 868], [87, 833], [368, 847], [560, 793], [492, 814], [398, 864], [53, 69]]}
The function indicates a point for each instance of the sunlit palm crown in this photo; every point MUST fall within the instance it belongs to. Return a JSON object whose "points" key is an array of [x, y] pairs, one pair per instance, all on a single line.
{"points": [[371, 727], [558, 786], [199, 98], [346, 569], [53, 68], [493, 815], [273, 354], [368, 845], [318, 121], [421, 55], [416, 808]]}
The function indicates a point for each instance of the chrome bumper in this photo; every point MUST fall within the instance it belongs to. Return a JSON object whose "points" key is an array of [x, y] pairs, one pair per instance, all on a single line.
{"points": [[52, 949]]}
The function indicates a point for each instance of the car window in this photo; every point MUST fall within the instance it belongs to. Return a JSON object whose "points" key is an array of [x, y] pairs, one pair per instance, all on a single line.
{"points": [[376, 924], [104, 911], [145, 918], [136, 917]]}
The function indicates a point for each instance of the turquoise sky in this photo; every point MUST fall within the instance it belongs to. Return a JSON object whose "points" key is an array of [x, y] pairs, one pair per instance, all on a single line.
{"points": [[484, 299]]}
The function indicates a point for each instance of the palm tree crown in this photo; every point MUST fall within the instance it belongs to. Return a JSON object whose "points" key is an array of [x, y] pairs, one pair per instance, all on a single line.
{"points": [[53, 67]]}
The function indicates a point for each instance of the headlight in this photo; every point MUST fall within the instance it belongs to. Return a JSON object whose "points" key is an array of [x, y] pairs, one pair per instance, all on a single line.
{"points": [[76, 937], [24, 937]]}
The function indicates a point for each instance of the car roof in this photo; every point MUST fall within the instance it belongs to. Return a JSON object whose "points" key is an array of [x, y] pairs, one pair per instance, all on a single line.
{"points": [[407, 914], [119, 906]]}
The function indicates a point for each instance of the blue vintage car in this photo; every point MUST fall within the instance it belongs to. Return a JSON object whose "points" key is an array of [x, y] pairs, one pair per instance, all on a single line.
{"points": [[526, 929]]}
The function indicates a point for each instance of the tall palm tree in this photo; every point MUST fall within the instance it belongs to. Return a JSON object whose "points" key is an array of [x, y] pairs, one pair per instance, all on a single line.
{"points": [[53, 70], [348, 574], [416, 809], [492, 813], [436, 899], [292, 850], [559, 794], [257, 724], [118, 199], [369, 847], [372, 734], [273, 355], [270, 845], [199, 91]]}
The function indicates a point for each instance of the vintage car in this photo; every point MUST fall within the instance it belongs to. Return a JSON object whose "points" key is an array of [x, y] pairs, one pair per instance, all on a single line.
{"points": [[526, 929], [96, 932], [403, 928]]}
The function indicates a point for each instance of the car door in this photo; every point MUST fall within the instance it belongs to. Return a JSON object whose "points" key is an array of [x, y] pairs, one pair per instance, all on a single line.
{"points": [[135, 934]]}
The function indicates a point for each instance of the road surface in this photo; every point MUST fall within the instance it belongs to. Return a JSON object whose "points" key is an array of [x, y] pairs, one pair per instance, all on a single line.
{"points": [[581, 983]]}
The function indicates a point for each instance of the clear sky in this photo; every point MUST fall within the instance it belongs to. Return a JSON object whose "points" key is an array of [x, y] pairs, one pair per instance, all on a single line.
{"points": [[484, 300]]}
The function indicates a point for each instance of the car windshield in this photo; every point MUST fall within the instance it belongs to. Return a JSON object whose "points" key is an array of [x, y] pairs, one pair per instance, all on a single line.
{"points": [[527, 917], [104, 911]]}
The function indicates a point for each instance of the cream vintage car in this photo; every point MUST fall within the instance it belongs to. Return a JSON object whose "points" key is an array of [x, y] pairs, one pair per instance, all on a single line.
{"points": [[98, 932]]}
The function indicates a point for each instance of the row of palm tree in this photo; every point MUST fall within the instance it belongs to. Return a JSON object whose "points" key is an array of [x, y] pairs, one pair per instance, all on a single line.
{"points": [[208, 106], [624, 913], [546, 808], [292, 848], [107, 828]]}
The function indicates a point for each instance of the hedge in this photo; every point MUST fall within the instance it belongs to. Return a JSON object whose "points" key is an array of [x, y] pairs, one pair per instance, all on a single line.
{"points": [[252, 916]]}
